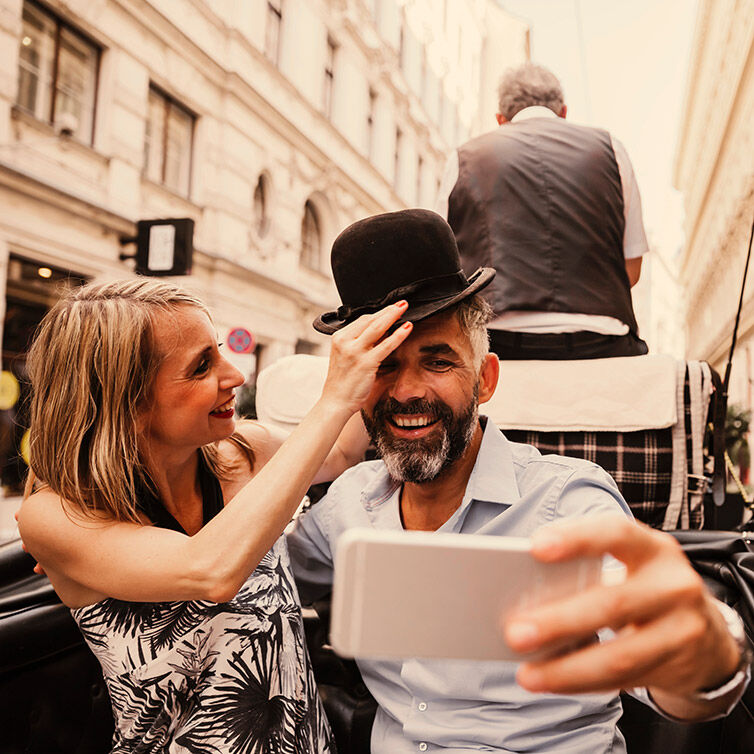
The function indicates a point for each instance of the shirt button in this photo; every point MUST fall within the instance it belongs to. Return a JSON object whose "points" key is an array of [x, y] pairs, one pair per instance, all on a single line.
{"points": [[422, 706], [422, 746]]}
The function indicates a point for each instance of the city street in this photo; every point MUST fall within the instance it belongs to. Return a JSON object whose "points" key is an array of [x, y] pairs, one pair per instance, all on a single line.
{"points": [[319, 216]]}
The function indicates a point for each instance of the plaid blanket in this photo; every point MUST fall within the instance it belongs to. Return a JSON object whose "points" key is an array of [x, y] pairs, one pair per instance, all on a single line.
{"points": [[641, 462]]}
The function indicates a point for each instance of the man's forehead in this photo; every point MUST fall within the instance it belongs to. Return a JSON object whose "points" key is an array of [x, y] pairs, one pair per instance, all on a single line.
{"points": [[440, 331]]}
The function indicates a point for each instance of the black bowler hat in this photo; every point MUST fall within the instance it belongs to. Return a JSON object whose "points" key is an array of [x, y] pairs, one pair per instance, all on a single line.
{"points": [[411, 255]]}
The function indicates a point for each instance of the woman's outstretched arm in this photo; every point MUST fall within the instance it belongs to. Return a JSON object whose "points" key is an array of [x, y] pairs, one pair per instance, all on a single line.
{"points": [[348, 450], [86, 559]]}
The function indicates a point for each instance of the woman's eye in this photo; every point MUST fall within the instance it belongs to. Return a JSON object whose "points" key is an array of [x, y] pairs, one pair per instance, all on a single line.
{"points": [[202, 367]]}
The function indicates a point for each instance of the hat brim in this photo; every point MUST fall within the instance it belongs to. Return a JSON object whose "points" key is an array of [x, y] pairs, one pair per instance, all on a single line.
{"points": [[329, 322]]}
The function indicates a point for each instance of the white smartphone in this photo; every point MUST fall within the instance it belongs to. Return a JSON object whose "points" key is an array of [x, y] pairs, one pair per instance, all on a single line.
{"points": [[429, 594]]}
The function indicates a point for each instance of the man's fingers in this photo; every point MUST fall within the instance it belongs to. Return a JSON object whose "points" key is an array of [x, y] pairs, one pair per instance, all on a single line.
{"points": [[658, 653], [628, 541], [639, 599]]}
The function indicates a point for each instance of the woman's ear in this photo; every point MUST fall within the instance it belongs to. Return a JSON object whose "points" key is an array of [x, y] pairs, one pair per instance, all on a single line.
{"points": [[141, 419], [488, 376]]}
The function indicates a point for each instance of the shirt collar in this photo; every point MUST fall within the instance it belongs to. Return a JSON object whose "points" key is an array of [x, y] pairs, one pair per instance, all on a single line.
{"points": [[535, 111], [493, 479]]}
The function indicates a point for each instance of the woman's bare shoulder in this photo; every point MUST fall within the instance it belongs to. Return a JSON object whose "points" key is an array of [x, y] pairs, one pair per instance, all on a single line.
{"points": [[47, 520], [54, 530], [43, 509]]}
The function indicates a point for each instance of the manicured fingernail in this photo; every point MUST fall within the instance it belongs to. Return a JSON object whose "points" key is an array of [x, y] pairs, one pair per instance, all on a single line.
{"points": [[407, 325], [522, 633], [401, 304]]}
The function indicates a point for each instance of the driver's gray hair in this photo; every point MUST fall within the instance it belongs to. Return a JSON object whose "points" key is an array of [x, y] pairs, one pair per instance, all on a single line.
{"points": [[528, 85]]}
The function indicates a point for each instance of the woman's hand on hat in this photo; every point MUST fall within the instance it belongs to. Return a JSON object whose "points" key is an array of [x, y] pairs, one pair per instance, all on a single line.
{"points": [[357, 352]]}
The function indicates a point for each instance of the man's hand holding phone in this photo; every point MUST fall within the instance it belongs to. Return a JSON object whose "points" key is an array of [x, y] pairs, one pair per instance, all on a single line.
{"points": [[670, 635]]}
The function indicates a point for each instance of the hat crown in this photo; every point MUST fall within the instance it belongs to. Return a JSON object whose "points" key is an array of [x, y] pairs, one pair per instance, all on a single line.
{"points": [[379, 255], [410, 254]]}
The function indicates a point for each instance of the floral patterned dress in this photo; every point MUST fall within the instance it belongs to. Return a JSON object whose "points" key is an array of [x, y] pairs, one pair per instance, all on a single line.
{"points": [[204, 678]]}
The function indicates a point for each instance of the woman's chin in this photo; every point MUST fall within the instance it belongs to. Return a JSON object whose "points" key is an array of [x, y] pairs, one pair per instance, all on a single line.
{"points": [[224, 428]]}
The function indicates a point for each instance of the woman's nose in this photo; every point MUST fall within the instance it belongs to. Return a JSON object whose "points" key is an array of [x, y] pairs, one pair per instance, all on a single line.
{"points": [[231, 376]]}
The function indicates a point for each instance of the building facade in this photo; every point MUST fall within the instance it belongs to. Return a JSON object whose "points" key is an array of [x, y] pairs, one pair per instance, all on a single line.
{"points": [[715, 170], [272, 124]]}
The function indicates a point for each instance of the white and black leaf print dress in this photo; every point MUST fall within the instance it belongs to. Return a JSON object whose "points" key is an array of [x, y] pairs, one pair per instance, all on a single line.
{"points": [[204, 678]]}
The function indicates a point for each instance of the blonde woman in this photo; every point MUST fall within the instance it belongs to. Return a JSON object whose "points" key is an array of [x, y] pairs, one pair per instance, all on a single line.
{"points": [[159, 521]]}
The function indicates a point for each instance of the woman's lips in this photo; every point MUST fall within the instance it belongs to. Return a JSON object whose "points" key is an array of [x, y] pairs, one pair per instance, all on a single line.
{"points": [[223, 414], [225, 410]]}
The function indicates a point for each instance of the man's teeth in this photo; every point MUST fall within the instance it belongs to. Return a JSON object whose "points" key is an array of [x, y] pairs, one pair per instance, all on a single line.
{"points": [[225, 407], [412, 421]]}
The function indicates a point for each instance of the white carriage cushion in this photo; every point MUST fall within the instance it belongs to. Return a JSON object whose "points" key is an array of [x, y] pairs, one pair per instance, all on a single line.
{"points": [[288, 388], [616, 394]]}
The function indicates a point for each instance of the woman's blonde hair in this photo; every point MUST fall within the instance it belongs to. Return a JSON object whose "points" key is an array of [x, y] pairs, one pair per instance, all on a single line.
{"points": [[92, 366]]}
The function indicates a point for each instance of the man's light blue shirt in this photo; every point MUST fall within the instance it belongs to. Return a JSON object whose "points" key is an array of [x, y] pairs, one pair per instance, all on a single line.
{"points": [[457, 706]]}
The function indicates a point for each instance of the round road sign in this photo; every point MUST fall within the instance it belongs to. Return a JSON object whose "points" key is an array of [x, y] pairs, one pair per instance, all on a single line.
{"points": [[240, 340]]}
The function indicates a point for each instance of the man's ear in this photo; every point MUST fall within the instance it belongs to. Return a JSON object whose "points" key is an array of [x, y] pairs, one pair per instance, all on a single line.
{"points": [[488, 376], [563, 112], [500, 119]]}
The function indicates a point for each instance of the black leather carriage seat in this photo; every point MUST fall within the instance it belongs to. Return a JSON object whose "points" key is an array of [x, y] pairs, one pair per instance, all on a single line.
{"points": [[53, 698], [52, 695]]}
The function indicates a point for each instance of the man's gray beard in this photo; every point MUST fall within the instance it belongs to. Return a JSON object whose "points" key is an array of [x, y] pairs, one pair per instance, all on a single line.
{"points": [[424, 460]]}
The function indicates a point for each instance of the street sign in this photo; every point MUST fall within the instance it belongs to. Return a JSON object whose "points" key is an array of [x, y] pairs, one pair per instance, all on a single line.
{"points": [[240, 340], [163, 247]]}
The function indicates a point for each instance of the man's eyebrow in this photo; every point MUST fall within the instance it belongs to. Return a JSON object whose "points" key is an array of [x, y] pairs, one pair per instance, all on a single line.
{"points": [[436, 349]]}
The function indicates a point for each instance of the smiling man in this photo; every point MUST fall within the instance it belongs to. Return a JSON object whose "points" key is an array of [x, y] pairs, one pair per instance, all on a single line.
{"points": [[445, 468]]}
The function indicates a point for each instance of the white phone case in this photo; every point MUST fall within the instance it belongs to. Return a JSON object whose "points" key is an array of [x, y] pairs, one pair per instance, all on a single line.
{"points": [[429, 594]]}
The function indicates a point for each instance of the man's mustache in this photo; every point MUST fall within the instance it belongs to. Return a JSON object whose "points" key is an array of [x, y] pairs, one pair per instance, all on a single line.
{"points": [[384, 409]]}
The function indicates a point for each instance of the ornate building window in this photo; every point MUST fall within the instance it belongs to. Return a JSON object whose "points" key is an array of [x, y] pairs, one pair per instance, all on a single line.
{"points": [[57, 72], [261, 206], [397, 161], [329, 80], [168, 142], [372, 106], [419, 179], [273, 30], [311, 237], [402, 46]]}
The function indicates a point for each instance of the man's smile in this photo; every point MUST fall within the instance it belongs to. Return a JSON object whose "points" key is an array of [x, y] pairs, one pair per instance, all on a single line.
{"points": [[411, 425]]}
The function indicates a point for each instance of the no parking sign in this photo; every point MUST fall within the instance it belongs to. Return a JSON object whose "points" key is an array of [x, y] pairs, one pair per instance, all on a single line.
{"points": [[240, 340]]}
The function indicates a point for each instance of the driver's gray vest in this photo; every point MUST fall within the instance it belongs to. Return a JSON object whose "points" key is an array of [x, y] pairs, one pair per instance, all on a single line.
{"points": [[541, 201]]}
